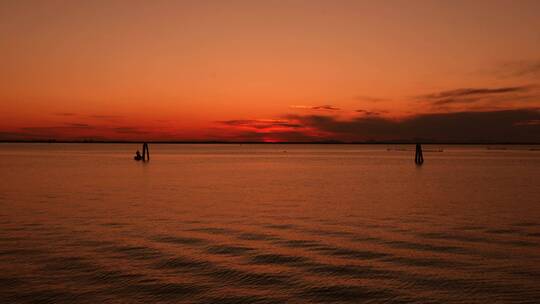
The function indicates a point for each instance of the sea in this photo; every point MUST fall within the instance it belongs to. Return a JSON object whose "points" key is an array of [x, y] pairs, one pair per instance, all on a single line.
{"points": [[269, 223]]}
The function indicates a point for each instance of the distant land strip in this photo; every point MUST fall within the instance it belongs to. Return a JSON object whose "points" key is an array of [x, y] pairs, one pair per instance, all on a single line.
{"points": [[400, 142]]}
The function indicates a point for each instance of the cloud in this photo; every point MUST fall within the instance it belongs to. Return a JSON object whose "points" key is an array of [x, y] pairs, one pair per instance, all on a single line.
{"points": [[521, 68], [370, 113], [482, 126], [67, 130], [95, 116], [465, 96], [65, 127], [78, 125], [266, 130], [260, 123], [75, 131], [323, 107], [272, 136], [105, 116], [531, 68], [521, 125], [466, 92], [326, 107], [65, 114], [487, 126]]}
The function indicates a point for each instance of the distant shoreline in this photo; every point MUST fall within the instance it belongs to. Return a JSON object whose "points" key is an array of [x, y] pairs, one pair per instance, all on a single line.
{"points": [[265, 143]]}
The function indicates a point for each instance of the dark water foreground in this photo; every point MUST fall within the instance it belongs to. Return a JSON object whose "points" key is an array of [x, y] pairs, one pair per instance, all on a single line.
{"points": [[268, 224]]}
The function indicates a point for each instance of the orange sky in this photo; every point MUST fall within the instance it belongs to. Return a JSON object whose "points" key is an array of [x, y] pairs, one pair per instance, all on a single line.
{"points": [[268, 70]]}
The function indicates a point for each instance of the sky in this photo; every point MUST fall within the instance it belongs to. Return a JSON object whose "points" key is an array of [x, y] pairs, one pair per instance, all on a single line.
{"points": [[270, 71]]}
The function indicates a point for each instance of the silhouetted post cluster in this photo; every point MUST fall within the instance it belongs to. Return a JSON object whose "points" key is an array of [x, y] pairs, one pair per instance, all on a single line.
{"points": [[145, 154], [418, 157]]}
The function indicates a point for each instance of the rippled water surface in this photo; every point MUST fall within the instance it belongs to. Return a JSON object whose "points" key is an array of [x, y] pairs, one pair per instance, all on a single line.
{"points": [[269, 224]]}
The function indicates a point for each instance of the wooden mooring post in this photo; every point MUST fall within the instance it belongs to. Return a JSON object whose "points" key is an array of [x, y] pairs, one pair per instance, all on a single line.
{"points": [[418, 157], [145, 152]]}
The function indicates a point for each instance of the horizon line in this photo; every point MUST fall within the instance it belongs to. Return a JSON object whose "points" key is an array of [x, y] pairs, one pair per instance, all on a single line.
{"points": [[271, 143]]}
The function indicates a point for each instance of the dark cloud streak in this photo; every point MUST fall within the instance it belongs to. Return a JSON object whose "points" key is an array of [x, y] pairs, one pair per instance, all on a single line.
{"points": [[260, 124], [465, 92], [326, 107], [521, 68], [485, 96], [106, 117], [488, 126], [319, 108], [65, 114]]}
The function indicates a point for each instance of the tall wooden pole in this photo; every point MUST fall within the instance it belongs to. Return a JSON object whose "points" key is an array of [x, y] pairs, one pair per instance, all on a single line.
{"points": [[418, 157]]}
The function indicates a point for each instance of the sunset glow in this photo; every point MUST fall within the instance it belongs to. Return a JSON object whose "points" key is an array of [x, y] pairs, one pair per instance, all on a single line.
{"points": [[270, 71]]}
